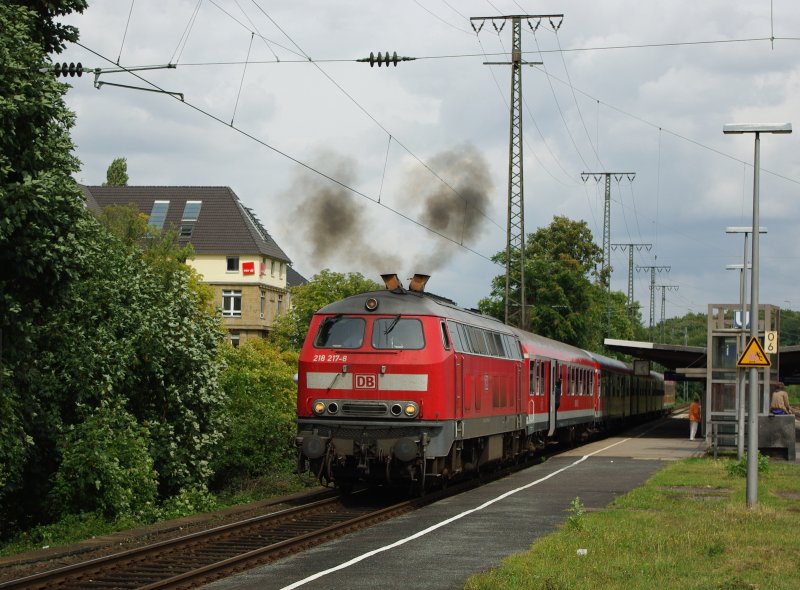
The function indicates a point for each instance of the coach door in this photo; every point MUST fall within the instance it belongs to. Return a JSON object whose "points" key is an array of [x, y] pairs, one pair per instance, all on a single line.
{"points": [[555, 396]]}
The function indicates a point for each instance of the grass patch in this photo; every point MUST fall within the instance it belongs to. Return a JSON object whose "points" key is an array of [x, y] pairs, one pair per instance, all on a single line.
{"points": [[75, 528], [688, 528]]}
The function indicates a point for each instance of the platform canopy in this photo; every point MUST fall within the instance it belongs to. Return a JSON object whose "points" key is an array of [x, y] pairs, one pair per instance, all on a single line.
{"points": [[690, 361]]}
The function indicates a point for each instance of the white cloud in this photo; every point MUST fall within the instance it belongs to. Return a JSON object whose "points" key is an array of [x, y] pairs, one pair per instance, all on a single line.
{"points": [[660, 114]]}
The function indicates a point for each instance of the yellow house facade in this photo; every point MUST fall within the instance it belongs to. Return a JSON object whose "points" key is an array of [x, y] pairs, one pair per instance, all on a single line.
{"points": [[235, 255]]}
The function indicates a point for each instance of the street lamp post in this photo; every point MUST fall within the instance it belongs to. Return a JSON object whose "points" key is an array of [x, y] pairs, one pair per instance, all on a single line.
{"points": [[740, 373], [752, 418]]}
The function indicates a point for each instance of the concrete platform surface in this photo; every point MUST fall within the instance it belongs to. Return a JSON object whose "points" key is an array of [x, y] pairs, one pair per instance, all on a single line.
{"points": [[440, 546]]}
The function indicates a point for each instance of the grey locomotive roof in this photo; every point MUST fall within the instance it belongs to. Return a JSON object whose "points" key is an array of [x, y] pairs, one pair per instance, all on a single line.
{"points": [[409, 302], [224, 224], [412, 303]]}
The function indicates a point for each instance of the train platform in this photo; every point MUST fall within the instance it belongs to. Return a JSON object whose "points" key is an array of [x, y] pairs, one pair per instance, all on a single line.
{"points": [[441, 545]]}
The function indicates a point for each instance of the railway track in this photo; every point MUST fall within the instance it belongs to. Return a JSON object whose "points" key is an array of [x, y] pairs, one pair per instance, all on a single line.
{"points": [[196, 559], [201, 557]]}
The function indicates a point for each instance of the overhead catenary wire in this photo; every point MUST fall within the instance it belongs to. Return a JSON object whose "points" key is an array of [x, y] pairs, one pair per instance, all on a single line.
{"points": [[256, 31], [184, 38], [536, 126], [241, 83], [378, 123], [569, 83], [125, 33], [292, 158]]}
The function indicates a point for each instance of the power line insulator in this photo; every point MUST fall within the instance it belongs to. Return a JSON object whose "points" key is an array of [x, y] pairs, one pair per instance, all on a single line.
{"points": [[386, 59], [68, 69]]}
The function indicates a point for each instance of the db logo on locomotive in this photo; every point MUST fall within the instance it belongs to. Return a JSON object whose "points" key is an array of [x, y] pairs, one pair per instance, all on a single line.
{"points": [[366, 381]]}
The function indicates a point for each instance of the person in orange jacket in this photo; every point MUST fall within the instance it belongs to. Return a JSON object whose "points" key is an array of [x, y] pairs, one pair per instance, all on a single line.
{"points": [[694, 416]]}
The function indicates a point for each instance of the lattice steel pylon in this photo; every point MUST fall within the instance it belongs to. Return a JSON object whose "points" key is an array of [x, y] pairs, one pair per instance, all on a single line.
{"points": [[630, 248], [515, 297], [653, 270], [607, 214], [664, 289], [605, 276]]}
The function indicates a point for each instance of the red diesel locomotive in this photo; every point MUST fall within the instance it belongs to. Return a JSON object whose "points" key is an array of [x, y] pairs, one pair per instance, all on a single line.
{"points": [[402, 386]]}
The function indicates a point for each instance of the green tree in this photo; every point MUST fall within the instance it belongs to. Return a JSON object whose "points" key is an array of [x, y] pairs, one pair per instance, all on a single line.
{"points": [[97, 335], [326, 287], [128, 335], [40, 202], [40, 207], [162, 248], [258, 382], [125, 221], [117, 173], [566, 298]]}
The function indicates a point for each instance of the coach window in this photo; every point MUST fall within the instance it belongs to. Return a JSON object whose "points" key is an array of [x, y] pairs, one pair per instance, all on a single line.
{"points": [[463, 336], [398, 333], [455, 336], [495, 342], [445, 337], [477, 339], [340, 332]]}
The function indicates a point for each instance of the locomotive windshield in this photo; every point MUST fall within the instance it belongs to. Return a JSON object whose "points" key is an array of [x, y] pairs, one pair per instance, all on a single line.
{"points": [[340, 332], [397, 332]]}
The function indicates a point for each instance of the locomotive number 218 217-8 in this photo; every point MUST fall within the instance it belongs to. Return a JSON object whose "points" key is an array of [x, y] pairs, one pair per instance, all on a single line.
{"points": [[330, 358]]}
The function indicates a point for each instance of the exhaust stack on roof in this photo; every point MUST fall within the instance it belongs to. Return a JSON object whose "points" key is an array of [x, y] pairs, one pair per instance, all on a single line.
{"points": [[418, 283], [392, 282]]}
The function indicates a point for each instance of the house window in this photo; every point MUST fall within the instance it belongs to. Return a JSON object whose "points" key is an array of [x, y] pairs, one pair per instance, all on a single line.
{"points": [[235, 339], [272, 268], [191, 211], [232, 303], [262, 304], [233, 264], [280, 304], [158, 214], [186, 230], [281, 269]]}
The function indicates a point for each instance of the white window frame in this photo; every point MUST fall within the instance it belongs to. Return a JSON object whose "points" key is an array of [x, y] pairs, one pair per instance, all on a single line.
{"points": [[229, 299]]}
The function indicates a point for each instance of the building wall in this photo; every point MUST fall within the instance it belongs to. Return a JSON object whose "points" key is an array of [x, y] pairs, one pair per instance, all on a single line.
{"points": [[253, 321], [214, 269]]}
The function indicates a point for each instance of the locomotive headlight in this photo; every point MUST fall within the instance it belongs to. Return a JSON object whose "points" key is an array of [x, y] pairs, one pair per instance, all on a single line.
{"points": [[411, 409], [319, 408]]}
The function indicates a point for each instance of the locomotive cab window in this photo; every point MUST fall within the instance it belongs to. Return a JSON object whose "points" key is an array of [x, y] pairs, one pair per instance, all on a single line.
{"points": [[397, 333], [340, 332]]}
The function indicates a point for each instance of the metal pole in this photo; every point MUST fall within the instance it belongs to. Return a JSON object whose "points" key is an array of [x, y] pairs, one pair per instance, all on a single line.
{"points": [[754, 401], [740, 373], [752, 418]]}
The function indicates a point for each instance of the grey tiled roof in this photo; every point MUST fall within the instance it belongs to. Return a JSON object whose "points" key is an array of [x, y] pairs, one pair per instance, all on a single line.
{"points": [[294, 278], [224, 226]]}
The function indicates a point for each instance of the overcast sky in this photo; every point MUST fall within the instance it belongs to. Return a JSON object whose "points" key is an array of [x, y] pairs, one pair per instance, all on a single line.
{"points": [[363, 169]]}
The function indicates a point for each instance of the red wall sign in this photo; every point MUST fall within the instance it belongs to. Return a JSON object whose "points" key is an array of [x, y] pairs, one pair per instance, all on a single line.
{"points": [[248, 268]]}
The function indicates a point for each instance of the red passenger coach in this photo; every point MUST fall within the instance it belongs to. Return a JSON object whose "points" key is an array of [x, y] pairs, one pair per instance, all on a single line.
{"points": [[402, 386]]}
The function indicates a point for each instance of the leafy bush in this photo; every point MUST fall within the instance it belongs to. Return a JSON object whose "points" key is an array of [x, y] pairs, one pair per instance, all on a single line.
{"points": [[739, 468], [190, 500], [105, 466], [258, 382]]}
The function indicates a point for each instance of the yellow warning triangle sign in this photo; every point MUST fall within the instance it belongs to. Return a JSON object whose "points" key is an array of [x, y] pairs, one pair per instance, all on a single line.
{"points": [[754, 355]]}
